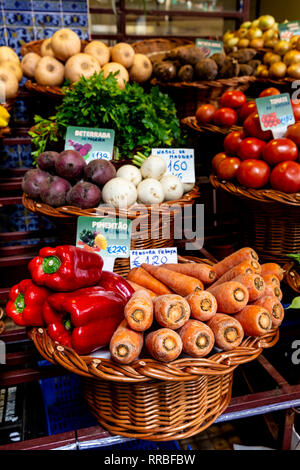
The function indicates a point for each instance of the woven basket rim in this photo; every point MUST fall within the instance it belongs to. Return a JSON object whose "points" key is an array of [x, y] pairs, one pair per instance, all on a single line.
{"points": [[259, 195], [146, 369], [191, 122], [205, 84], [131, 213]]}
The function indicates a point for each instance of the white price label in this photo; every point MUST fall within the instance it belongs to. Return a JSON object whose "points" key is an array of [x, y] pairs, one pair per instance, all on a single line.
{"points": [[108, 263], [180, 162], [155, 256]]}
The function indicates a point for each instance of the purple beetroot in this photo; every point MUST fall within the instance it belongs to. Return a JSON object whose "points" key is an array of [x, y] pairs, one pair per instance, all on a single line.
{"points": [[70, 165], [99, 171], [46, 160], [84, 195], [54, 191], [32, 181]]}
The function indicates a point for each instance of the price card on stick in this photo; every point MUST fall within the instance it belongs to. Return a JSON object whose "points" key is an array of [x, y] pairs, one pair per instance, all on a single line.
{"points": [[91, 143], [209, 46], [108, 237], [155, 256], [180, 162], [289, 29], [275, 113]]}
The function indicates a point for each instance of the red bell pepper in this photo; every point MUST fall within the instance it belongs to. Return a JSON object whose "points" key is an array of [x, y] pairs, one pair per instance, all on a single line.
{"points": [[66, 268], [25, 305], [116, 283], [84, 320]]}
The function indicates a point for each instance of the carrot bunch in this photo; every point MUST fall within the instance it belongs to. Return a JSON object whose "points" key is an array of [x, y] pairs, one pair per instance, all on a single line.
{"points": [[190, 308]]}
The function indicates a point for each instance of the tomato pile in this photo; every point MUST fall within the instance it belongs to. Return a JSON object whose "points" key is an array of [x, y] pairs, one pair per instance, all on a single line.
{"points": [[252, 156]]}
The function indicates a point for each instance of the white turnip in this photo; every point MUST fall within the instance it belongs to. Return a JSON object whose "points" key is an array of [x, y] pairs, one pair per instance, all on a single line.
{"points": [[130, 173], [119, 193], [154, 167], [172, 187], [150, 191]]}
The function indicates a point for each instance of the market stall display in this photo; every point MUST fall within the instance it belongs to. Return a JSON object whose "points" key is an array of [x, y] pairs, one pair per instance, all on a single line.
{"points": [[154, 360]]}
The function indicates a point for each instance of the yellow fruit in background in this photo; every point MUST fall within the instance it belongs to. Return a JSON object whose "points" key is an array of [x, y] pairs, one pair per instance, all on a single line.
{"points": [[291, 57], [294, 70], [293, 40], [282, 47], [269, 34], [4, 114], [228, 35], [242, 33], [266, 22], [254, 33], [264, 73], [270, 43], [232, 42], [246, 24], [3, 122], [244, 42], [278, 70], [100, 241], [257, 43], [260, 69], [255, 23], [270, 58]]}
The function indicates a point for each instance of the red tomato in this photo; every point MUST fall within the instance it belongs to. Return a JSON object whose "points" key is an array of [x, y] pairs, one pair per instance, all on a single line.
{"points": [[253, 173], [248, 108], [217, 159], [251, 147], [252, 128], [232, 99], [269, 92], [285, 177], [205, 113], [228, 168], [225, 117], [232, 141], [296, 110], [293, 133], [280, 150]]}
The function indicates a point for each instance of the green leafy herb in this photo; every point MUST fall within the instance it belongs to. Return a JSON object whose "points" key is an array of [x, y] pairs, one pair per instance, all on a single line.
{"points": [[141, 120], [295, 256], [295, 303]]}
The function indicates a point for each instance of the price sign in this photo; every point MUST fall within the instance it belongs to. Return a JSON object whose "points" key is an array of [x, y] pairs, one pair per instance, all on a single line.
{"points": [[180, 162], [275, 113], [209, 46], [153, 256], [91, 143], [108, 237], [289, 29]]}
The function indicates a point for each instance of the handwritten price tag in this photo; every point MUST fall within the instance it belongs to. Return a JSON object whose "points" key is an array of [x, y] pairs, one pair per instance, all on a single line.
{"points": [[209, 46], [275, 113], [155, 256], [180, 162]]}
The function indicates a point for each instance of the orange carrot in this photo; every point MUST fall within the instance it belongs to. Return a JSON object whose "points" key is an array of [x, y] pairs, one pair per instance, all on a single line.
{"points": [[138, 287], [145, 279], [255, 320], [254, 283], [233, 259], [271, 279], [272, 289], [227, 330], [203, 305], [231, 296], [171, 311], [247, 266], [201, 271], [164, 344], [273, 306], [272, 268], [179, 283], [197, 338], [139, 311], [125, 344]]}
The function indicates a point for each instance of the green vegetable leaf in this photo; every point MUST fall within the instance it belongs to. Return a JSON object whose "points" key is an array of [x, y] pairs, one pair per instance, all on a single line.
{"points": [[295, 303]]}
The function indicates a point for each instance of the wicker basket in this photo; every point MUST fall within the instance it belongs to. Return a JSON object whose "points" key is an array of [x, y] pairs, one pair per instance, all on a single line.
{"points": [[152, 400], [192, 123], [155, 231], [188, 96], [272, 225]]}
